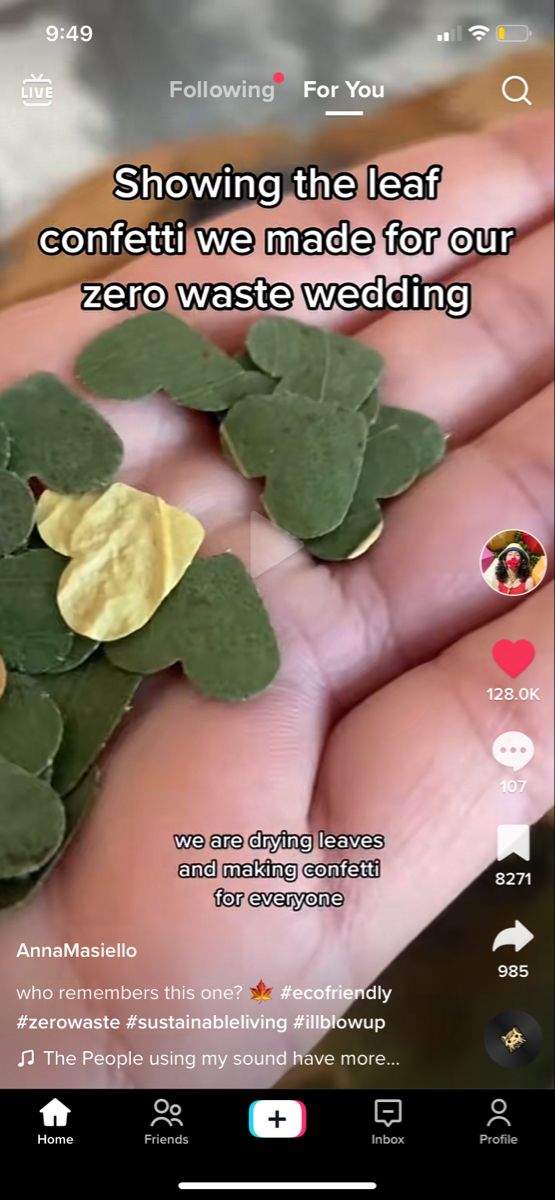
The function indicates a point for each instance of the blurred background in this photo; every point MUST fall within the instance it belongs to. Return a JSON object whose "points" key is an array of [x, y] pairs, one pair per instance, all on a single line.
{"points": [[111, 94], [111, 103]]}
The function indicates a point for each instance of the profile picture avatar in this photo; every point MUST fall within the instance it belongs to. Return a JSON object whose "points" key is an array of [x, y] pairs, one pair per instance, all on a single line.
{"points": [[513, 562]]}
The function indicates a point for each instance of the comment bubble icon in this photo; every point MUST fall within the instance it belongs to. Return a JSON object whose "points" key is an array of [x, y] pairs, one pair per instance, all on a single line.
{"points": [[388, 1112], [514, 750]]}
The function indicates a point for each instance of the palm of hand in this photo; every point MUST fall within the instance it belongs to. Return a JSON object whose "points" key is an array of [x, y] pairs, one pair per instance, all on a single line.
{"points": [[361, 733]]}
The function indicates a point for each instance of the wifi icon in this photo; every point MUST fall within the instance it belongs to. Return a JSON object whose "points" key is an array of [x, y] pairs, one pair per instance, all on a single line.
{"points": [[478, 31]]}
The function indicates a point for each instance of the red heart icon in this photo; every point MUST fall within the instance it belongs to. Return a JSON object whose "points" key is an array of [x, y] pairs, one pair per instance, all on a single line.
{"points": [[514, 657]]}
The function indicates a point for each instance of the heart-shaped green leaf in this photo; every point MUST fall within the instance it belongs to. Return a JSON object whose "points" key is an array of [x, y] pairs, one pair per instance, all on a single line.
{"points": [[17, 512], [401, 446], [58, 437], [30, 725], [92, 699], [426, 437], [77, 805], [215, 624], [32, 822], [33, 635], [159, 352], [361, 527], [389, 467], [390, 461], [309, 453], [314, 362]]}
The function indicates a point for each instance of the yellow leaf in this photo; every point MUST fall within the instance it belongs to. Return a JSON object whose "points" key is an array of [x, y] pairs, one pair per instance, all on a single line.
{"points": [[129, 550], [59, 516]]}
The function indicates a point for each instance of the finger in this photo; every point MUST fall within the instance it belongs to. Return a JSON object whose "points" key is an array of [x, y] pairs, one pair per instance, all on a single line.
{"points": [[422, 580], [414, 762], [470, 373], [420, 586], [177, 456], [465, 374], [501, 177]]}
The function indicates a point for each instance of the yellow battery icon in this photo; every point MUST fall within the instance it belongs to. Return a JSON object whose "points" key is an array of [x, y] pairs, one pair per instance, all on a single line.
{"points": [[513, 33]]}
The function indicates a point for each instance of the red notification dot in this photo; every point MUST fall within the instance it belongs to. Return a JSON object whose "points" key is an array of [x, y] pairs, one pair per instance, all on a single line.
{"points": [[279, 77]]}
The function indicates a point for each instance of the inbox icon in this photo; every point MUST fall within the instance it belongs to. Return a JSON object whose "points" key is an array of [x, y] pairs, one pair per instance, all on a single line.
{"points": [[388, 1112], [277, 1119]]}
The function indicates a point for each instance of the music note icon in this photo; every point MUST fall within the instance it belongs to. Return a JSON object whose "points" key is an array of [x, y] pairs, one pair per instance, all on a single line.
{"points": [[27, 1058]]}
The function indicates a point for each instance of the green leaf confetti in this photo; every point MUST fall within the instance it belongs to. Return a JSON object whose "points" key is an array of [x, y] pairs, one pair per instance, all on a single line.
{"points": [[77, 806], [215, 624], [17, 512], [32, 822], [81, 649], [58, 437], [92, 700], [33, 636], [427, 438], [309, 453], [401, 446], [298, 408], [425, 435], [314, 362], [30, 725], [156, 352], [389, 467]]}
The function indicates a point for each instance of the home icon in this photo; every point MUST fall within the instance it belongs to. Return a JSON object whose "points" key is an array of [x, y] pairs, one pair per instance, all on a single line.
{"points": [[55, 1113]]}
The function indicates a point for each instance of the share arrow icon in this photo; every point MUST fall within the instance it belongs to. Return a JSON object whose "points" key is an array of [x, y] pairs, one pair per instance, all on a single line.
{"points": [[518, 936]]}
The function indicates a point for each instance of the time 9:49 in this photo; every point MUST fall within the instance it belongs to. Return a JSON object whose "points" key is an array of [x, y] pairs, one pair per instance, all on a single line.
{"points": [[73, 33]]}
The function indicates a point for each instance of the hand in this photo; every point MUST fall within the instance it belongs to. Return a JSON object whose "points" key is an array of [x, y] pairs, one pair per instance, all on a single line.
{"points": [[379, 720]]}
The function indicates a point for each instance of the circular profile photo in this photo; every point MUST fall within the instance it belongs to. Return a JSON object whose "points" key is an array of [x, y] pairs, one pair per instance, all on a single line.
{"points": [[513, 562]]}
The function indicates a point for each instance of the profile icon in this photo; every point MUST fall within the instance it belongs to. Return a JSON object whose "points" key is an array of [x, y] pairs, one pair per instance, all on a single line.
{"points": [[513, 562], [498, 1108]]}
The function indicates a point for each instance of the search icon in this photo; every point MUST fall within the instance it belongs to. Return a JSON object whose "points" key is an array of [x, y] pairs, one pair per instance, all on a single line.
{"points": [[523, 91]]}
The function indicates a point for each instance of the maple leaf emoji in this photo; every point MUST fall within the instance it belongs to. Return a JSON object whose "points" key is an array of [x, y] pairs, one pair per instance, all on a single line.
{"points": [[261, 992]]}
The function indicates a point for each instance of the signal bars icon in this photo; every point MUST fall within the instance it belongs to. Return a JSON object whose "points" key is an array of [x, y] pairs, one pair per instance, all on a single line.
{"points": [[453, 35]]}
